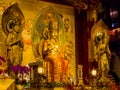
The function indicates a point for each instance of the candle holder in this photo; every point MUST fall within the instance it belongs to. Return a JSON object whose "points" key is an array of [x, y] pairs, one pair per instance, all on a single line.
{"points": [[40, 70], [41, 79], [38, 74], [94, 80], [80, 76]]}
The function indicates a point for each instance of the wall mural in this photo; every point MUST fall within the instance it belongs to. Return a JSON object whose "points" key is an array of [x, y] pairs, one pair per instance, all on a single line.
{"points": [[46, 33]]}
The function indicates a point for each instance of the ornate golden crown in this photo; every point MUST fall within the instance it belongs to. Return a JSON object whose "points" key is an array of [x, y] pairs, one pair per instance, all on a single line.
{"points": [[53, 25]]}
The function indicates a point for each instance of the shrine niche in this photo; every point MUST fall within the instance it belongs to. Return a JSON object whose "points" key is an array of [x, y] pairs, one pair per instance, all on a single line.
{"points": [[50, 42], [42, 23]]}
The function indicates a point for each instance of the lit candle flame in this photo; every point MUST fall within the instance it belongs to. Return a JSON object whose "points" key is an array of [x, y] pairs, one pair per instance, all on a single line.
{"points": [[40, 70], [94, 72]]}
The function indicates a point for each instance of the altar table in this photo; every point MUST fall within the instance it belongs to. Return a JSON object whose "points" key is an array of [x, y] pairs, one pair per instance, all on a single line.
{"points": [[7, 84]]}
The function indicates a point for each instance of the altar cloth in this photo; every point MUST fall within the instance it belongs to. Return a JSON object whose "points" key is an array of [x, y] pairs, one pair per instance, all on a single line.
{"points": [[7, 84]]}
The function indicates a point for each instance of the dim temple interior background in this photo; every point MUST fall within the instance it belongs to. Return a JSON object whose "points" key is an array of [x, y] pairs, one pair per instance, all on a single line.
{"points": [[94, 22]]}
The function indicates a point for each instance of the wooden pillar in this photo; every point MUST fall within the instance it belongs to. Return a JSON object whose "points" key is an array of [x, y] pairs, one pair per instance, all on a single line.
{"points": [[81, 37]]}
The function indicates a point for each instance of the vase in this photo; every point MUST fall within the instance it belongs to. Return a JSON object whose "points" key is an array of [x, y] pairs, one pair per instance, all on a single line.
{"points": [[19, 87]]}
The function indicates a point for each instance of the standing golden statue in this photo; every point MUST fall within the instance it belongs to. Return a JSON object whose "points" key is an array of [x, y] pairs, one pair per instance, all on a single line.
{"points": [[14, 42], [12, 25], [100, 41]]}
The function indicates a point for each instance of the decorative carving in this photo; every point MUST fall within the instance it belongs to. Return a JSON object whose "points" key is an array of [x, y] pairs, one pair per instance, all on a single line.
{"points": [[80, 76], [86, 5]]}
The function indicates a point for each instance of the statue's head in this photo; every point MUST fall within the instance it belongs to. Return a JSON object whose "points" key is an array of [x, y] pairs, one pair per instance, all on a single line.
{"points": [[54, 34], [53, 29], [12, 23], [99, 37]]}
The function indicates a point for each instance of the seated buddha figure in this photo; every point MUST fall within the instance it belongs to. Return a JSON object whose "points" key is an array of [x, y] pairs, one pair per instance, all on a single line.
{"points": [[53, 54]]}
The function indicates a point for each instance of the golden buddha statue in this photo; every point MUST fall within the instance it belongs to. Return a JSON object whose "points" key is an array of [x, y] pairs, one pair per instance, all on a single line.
{"points": [[100, 41], [14, 42], [53, 53], [12, 25]]}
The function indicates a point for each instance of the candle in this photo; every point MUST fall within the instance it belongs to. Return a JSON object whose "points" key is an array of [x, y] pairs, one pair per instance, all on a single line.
{"points": [[40, 70], [80, 72], [94, 72]]}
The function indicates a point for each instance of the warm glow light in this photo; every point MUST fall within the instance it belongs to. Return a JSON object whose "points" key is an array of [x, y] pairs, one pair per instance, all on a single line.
{"points": [[94, 72], [40, 70]]}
